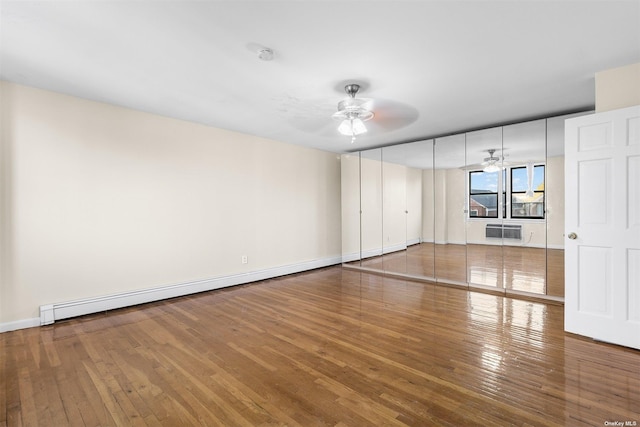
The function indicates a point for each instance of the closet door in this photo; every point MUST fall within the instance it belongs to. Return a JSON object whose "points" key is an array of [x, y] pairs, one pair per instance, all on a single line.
{"points": [[449, 194], [394, 208], [371, 241], [525, 228], [407, 171], [486, 207], [350, 199], [420, 211]]}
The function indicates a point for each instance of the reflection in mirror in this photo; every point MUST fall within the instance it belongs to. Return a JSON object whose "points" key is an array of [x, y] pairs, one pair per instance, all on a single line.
{"points": [[408, 202], [525, 231], [371, 245], [555, 204], [449, 210], [350, 199], [484, 183], [394, 209], [436, 210]]}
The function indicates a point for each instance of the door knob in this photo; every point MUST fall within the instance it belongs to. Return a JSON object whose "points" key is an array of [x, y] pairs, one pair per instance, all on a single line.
{"points": [[572, 236]]}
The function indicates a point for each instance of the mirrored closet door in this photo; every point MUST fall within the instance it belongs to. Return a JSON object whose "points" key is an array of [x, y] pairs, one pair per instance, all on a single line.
{"points": [[408, 209], [371, 209], [449, 205], [484, 179], [525, 216], [482, 209]]}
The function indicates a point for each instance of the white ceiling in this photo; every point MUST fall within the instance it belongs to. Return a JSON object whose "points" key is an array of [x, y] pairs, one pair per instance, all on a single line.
{"points": [[431, 67]]}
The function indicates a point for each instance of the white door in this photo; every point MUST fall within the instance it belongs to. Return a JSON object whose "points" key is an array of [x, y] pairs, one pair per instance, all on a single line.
{"points": [[602, 217]]}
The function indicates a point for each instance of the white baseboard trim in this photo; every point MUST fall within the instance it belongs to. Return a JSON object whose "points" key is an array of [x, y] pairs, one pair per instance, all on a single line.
{"points": [[415, 241], [395, 248], [452, 242], [19, 324], [50, 313], [355, 256]]}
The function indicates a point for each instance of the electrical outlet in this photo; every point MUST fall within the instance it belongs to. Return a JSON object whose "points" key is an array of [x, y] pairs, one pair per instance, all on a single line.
{"points": [[244, 259]]}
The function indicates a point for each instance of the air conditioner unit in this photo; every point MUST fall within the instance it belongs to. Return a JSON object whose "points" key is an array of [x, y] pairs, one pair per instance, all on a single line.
{"points": [[504, 231]]}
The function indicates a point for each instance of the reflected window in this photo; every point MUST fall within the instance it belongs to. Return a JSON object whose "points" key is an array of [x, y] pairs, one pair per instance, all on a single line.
{"points": [[520, 187], [527, 192], [483, 194]]}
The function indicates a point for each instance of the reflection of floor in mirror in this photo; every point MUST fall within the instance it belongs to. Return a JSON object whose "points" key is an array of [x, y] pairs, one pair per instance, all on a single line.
{"points": [[514, 267]]}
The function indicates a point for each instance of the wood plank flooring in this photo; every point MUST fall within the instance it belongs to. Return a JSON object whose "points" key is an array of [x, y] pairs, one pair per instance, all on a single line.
{"points": [[525, 269], [331, 347]]}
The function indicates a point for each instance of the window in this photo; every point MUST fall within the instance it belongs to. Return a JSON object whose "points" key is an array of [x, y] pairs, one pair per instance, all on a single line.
{"points": [[522, 186], [527, 192], [483, 194]]}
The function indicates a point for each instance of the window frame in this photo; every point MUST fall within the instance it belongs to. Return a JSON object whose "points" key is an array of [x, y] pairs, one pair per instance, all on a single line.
{"points": [[470, 194], [512, 192], [505, 186]]}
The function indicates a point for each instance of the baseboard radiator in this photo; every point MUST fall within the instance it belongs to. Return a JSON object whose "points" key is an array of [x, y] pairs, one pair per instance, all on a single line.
{"points": [[504, 231]]}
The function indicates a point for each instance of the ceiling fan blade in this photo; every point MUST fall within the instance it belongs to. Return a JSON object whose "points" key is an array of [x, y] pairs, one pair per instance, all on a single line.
{"points": [[391, 115]]}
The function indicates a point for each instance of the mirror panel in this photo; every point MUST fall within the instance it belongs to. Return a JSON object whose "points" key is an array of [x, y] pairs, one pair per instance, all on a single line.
{"points": [[420, 207], [485, 208], [429, 209], [405, 168], [350, 199], [449, 210], [394, 208], [555, 205], [371, 227], [525, 261]]}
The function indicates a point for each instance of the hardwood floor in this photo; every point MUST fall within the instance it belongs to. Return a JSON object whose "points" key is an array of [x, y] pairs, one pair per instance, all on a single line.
{"points": [[327, 347], [516, 268]]}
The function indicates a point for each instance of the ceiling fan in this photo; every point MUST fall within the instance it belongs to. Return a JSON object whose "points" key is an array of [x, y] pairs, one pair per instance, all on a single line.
{"points": [[355, 116], [491, 164], [353, 113]]}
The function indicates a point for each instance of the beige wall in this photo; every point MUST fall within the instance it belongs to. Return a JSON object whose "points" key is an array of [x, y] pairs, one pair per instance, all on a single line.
{"points": [[99, 199], [618, 88]]}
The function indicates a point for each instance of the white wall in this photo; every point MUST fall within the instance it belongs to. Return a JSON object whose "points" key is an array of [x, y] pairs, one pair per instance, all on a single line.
{"points": [[98, 199]]}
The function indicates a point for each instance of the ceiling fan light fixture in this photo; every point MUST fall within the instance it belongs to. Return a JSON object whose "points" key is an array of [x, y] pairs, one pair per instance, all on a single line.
{"points": [[490, 163], [353, 113], [491, 168], [352, 127]]}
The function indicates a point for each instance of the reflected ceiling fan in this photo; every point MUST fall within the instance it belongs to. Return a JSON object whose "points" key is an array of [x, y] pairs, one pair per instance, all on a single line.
{"points": [[489, 164]]}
